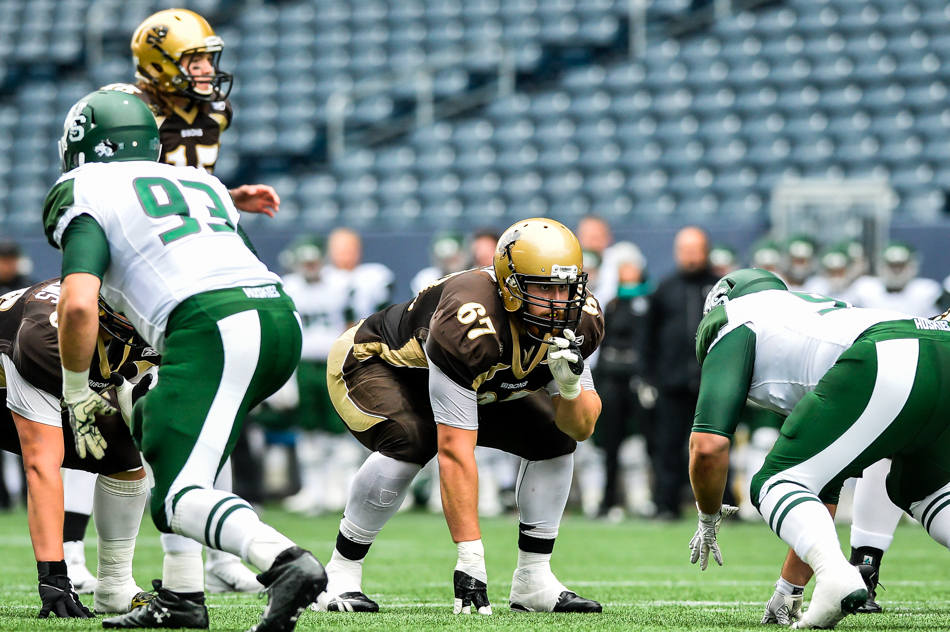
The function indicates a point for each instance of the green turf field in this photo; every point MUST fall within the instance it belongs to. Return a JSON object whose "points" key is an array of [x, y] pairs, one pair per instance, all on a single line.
{"points": [[638, 570]]}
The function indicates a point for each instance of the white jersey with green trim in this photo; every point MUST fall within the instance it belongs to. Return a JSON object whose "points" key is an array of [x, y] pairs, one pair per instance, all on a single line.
{"points": [[798, 337], [172, 235]]}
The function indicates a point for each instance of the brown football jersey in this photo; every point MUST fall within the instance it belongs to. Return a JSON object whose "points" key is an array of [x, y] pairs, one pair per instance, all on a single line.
{"points": [[460, 323], [190, 137], [29, 337]]}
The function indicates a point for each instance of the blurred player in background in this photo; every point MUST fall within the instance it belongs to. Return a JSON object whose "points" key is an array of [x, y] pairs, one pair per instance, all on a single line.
{"points": [[329, 457], [898, 286], [799, 262], [723, 259], [483, 244], [34, 425], [448, 253], [370, 284], [766, 254]]}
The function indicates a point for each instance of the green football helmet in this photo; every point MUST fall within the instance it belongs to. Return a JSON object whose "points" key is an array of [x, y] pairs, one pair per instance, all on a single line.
{"points": [[108, 126], [741, 283]]}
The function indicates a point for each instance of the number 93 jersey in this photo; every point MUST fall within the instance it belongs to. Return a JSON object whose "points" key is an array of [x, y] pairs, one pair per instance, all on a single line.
{"points": [[172, 234], [798, 337]]}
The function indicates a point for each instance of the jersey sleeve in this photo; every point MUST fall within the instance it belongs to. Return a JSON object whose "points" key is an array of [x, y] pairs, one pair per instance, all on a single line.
{"points": [[724, 387], [35, 351], [463, 340], [85, 248], [222, 113]]}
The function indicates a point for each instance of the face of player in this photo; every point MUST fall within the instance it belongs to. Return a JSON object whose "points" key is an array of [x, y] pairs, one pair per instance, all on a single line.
{"points": [[552, 292], [199, 66]]}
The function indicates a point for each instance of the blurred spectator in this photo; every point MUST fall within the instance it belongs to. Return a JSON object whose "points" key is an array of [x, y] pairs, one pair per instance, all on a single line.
{"points": [[898, 287], [14, 268], [449, 253], [627, 398], [328, 455], [483, 247], [675, 311], [371, 284], [723, 259], [595, 237]]}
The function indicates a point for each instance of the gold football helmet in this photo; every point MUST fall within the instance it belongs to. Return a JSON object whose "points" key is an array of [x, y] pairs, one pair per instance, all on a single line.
{"points": [[160, 43], [541, 251]]}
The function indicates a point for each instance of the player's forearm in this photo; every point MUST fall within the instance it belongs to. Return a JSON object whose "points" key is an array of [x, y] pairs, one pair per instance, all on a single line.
{"points": [[78, 320], [458, 477], [577, 417], [708, 469]]}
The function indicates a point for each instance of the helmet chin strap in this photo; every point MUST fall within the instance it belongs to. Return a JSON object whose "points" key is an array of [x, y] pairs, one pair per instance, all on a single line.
{"points": [[104, 367]]}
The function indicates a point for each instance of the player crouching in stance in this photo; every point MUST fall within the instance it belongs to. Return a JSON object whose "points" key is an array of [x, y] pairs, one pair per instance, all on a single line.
{"points": [[33, 424], [163, 245], [490, 357], [856, 385]]}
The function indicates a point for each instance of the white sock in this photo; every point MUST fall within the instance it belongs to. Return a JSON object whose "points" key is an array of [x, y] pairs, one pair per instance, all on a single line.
{"points": [[230, 524], [787, 588], [344, 575], [798, 517], [78, 490], [933, 512], [118, 508], [534, 561], [875, 516]]}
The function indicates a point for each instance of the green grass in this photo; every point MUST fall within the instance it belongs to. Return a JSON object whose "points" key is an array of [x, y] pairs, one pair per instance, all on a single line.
{"points": [[639, 571]]}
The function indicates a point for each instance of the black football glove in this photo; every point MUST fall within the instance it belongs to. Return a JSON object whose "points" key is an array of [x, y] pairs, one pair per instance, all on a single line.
{"points": [[128, 393], [58, 596], [471, 595]]}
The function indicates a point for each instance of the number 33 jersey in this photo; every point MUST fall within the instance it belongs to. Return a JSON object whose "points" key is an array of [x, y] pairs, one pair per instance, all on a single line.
{"points": [[798, 337], [459, 324], [171, 232]]}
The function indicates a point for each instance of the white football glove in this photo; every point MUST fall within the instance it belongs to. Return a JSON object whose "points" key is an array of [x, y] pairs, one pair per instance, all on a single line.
{"points": [[566, 364], [83, 404], [705, 539], [783, 609], [471, 579], [129, 392]]}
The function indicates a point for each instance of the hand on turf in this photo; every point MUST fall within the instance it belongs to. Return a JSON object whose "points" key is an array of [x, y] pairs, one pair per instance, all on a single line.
{"points": [[470, 592], [566, 363], [783, 609], [82, 419], [60, 599], [704, 541]]}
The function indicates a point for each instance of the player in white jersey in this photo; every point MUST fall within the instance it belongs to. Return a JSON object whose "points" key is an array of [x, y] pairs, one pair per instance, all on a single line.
{"points": [[162, 242], [898, 286], [855, 386], [329, 457]]}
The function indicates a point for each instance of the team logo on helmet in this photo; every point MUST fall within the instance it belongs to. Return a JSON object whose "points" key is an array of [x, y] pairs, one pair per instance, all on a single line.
{"points": [[157, 35], [106, 148], [718, 295]]}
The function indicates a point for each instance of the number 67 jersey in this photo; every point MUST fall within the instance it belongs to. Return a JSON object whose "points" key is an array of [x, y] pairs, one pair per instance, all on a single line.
{"points": [[172, 233]]}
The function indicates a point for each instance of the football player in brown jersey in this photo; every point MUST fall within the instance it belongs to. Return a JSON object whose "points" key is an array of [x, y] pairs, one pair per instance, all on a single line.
{"points": [[492, 357], [33, 424], [176, 54]]}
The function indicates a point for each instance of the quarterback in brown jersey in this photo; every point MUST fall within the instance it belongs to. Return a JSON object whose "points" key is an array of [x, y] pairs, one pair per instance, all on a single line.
{"points": [[32, 423], [491, 357], [176, 54]]}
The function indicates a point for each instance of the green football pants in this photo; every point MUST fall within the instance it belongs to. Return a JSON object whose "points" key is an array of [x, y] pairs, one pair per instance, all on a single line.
{"points": [[888, 395], [224, 354]]}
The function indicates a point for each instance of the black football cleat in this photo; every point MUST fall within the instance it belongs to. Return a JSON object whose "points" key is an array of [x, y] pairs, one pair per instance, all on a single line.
{"points": [[870, 575], [166, 609], [291, 584], [352, 602], [572, 602]]}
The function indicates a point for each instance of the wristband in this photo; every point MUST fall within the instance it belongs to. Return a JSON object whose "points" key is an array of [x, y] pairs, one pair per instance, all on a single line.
{"points": [[75, 384]]}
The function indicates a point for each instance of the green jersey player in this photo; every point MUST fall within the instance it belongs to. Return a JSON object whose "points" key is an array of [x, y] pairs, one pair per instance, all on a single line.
{"points": [[163, 244], [856, 385]]}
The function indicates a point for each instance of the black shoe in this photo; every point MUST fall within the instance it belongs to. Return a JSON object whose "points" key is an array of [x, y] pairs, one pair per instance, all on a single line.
{"points": [[352, 602], [291, 584], [572, 602], [166, 610], [870, 575]]}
